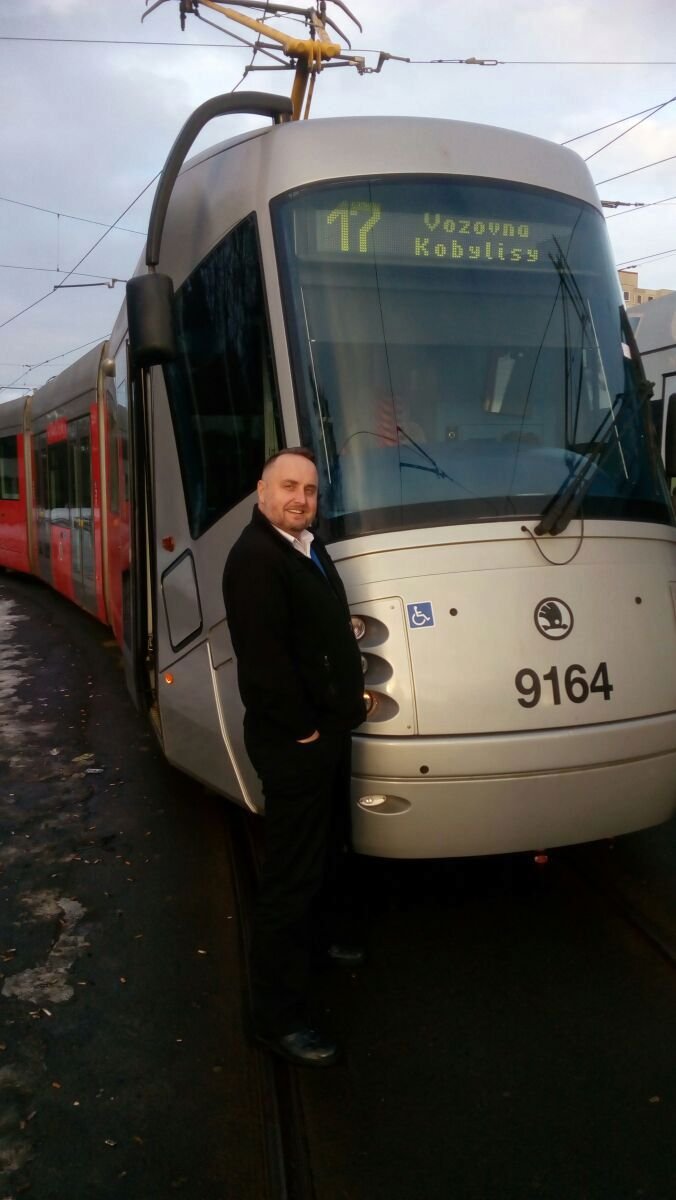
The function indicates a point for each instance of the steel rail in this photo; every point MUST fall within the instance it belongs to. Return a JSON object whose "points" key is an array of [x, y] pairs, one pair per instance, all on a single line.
{"points": [[288, 1169]]}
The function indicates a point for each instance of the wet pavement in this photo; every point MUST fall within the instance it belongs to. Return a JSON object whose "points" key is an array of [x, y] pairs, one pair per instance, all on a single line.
{"points": [[512, 1036], [123, 1071]]}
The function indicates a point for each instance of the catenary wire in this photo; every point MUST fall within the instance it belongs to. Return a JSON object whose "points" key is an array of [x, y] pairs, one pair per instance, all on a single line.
{"points": [[598, 182], [636, 124], [34, 366], [120, 42], [65, 353], [91, 249], [641, 207], [52, 271], [73, 270], [525, 62], [103, 235], [646, 258], [68, 216], [610, 125]]}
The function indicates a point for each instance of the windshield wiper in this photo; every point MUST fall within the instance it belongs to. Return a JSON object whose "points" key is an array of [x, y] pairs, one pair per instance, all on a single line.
{"points": [[560, 510]]}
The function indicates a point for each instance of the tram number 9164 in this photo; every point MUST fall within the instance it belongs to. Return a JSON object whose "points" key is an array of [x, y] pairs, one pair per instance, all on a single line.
{"points": [[574, 684]]}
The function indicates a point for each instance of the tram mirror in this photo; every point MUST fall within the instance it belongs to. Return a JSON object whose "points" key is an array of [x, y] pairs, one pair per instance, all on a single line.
{"points": [[151, 323], [670, 437]]}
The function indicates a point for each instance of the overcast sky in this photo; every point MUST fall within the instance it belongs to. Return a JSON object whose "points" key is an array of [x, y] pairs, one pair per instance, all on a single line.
{"points": [[87, 126]]}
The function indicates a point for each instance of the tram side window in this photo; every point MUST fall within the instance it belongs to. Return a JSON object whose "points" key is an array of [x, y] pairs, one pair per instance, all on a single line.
{"points": [[222, 389], [9, 469], [57, 466]]}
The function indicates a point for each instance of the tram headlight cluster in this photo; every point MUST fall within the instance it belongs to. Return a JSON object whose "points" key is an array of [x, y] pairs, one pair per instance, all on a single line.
{"points": [[372, 635], [358, 627]]}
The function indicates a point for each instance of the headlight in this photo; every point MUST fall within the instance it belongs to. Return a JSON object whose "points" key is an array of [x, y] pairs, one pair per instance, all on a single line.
{"points": [[371, 702], [364, 663], [358, 627]]}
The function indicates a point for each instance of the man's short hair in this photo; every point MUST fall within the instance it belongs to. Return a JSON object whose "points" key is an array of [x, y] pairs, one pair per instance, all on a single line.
{"points": [[301, 451]]}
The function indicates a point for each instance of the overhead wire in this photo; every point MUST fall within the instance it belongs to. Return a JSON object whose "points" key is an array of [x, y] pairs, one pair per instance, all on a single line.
{"points": [[525, 62], [68, 216], [91, 249], [52, 271], [121, 41], [640, 207], [636, 124], [109, 229], [646, 257], [623, 175], [581, 62], [34, 366], [610, 125]]}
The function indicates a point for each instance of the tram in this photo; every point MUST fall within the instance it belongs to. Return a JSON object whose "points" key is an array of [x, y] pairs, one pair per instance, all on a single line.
{"points": [[432, 306], [654, 325]]}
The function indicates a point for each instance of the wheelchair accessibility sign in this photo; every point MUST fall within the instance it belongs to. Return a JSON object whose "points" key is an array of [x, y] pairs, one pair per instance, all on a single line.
{"points": [[420, 616]]}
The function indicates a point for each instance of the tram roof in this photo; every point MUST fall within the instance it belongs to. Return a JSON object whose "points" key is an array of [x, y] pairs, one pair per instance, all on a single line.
{"points": [[220, 186], [12, 416], [302, 152], [78, 380]]}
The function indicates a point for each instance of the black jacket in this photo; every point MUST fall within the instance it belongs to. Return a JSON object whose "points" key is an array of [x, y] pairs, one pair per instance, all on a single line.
{"points": [[298, 665]]}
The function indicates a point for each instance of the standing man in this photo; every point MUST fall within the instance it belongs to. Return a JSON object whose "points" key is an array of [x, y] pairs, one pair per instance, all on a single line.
{"points": [[300, 679]]}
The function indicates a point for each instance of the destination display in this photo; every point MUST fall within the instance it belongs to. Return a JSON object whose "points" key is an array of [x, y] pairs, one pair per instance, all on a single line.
{"points": [[355, 229]]}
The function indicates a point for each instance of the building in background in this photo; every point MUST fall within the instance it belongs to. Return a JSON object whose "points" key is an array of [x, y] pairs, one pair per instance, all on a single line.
{"points": [[636, 293]]}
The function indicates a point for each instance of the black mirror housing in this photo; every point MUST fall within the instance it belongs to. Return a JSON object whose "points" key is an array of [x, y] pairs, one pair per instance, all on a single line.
{"points": [[152, 340]]}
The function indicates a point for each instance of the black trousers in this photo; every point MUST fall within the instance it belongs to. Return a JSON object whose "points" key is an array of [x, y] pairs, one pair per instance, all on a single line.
{"points": [[306, 896]]}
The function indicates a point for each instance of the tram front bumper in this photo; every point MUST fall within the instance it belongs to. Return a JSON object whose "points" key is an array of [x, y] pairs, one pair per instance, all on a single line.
{"points": [[503, 793]]}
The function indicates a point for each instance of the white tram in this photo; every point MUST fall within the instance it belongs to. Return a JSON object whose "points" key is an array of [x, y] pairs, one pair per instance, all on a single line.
{"points": [[433, 307]]}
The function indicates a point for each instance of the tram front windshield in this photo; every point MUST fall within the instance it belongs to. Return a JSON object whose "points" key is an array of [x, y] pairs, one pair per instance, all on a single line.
{"points": [[461, 353]]}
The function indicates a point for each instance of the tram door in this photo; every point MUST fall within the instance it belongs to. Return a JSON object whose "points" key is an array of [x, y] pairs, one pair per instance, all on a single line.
{"points": [[42, 512], [81, 515]]}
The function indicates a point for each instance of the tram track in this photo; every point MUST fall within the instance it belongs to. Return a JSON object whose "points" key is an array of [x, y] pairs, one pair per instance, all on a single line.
{"points": [[600, 884], [288, 1170]]}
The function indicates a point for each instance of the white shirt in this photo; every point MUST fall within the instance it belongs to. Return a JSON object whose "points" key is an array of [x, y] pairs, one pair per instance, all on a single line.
{"points": [[302, 543]]}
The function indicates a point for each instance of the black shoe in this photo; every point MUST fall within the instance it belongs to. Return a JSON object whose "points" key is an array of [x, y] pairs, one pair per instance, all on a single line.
{"points": [[305, 1047], [346, 956]]}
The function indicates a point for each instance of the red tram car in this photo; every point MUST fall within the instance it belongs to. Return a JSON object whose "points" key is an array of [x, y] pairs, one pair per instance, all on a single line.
{"points": [[64, 509], [15, 548]]}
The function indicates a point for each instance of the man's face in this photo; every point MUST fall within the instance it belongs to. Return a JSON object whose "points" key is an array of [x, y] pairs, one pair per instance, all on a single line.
{"points": [[287, 493]]}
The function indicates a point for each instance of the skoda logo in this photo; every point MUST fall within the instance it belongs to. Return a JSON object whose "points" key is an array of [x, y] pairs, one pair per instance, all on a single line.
{"points": [[553, 618]]}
